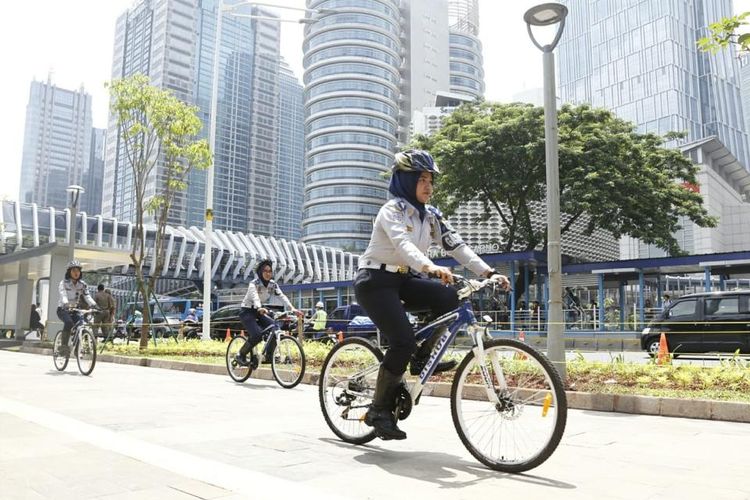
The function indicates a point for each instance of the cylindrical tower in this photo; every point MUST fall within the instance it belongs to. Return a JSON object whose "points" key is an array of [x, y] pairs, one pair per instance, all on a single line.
{"points": [[466, 66], [352, 83]]}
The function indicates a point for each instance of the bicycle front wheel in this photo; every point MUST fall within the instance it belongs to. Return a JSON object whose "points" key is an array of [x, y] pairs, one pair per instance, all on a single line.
{"points": [[60, 361], [237, 371], [86, 351], [347, 386], [288, 363], [513, 421]]}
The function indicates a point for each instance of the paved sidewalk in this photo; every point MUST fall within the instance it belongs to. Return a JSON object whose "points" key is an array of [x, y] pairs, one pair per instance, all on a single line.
{"points": [[143, 433]]}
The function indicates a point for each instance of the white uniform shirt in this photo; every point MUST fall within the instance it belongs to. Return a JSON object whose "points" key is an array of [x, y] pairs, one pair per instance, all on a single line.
{"points": [[400, 238], [70, 293], [257, 294]]}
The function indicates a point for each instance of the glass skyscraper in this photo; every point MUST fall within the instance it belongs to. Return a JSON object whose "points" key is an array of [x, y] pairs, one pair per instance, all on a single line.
{"points": [[289, 188], [172, 41], [246, 125], [56, 146], [466, 65], [154, 38], [353, 60], [639, 59], [93, 176], [368, 67]]}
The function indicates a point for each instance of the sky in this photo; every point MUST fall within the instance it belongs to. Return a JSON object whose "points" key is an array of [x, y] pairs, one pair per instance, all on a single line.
{"points": [[73, 40]]}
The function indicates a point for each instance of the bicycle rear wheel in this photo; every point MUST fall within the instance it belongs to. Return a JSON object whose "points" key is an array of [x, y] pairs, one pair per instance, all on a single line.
{"points": [[86, 351], [347, 386], [524, 427], [61, 362], [288, 363], [238, 372]]}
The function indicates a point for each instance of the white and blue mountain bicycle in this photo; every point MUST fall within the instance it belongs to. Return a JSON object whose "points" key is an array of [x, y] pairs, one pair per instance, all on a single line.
{"points": [[507, 400]]}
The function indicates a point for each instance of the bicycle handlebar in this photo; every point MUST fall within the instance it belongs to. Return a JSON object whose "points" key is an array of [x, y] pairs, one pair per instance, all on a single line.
{"points": [[85, 311]]}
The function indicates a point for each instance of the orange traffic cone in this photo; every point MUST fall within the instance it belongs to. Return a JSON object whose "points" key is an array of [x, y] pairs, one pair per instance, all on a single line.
{"points": [[663, 355], [229, 335], [340, 336]]}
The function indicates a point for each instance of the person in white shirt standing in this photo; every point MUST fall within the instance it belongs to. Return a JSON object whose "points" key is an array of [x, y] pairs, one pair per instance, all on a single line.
{"points": [[393, 270]]}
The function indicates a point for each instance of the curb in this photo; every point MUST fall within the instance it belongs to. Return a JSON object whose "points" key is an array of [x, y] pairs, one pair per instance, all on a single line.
{"points": [[619, 403]]}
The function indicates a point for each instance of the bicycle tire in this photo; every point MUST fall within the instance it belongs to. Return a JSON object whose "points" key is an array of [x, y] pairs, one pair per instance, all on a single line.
{"points": [[336, 398], [86, 351], [237, 372], [60, 362], [288, 363], [524, 365]]}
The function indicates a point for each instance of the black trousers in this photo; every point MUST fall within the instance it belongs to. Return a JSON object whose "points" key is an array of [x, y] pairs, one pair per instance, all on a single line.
{"points": [[254, 323], [380, 293], [69, 320]]}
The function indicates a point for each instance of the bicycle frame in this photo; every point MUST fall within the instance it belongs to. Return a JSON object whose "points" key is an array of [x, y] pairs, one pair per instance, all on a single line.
{"points": [[458, 318]]}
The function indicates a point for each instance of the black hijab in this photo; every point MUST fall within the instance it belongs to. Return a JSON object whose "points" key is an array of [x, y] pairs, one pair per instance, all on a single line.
{"points": [[259, 270], [404, 185]]}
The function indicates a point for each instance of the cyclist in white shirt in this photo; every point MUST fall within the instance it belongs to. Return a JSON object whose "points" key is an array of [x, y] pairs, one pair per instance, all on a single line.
{"points": [[391, 278], [72, 289], [254, 316]]}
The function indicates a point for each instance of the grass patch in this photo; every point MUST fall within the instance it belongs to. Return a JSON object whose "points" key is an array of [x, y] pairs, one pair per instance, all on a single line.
{"points": [[730, 381]]}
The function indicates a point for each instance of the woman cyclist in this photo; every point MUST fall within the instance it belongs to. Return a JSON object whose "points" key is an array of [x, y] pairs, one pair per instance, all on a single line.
{"points": [[392, 270], [254, 316], [71, 290]]}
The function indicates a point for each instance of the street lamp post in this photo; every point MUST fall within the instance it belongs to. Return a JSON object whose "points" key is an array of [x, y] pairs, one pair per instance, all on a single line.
{"points": [[550, 14], [75, 193], [209, 215]]}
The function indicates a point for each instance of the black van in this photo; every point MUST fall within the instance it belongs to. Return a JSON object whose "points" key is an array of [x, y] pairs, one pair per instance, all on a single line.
{"points": [[703, 322]]}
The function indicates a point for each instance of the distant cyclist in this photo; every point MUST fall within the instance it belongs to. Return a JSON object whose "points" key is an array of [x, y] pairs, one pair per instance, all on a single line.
{"points": [[254, 316], [72, 290]]}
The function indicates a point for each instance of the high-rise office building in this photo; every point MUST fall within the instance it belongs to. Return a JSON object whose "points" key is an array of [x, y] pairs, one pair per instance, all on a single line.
{"points": [[93, 176], [57, 142], [155, 38], [247, 128], [466, 63], [640, 60], [172, 41], [289, 189], [368, 67]]}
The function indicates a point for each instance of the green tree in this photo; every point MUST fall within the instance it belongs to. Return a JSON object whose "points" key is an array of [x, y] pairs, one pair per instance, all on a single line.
{"points": [[723, 33], [622, 181], [159, 137]]}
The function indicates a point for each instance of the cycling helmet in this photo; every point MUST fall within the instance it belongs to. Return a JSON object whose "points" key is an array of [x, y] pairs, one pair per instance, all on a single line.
{"points": [[138, 313], [73, 264], [415, 160], [319, 305]]}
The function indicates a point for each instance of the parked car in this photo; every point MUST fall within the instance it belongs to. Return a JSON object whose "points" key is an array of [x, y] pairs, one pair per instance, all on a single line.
{"points": [[702, 322]]}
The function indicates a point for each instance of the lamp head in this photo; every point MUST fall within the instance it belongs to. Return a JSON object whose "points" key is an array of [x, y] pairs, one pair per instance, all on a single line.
{"points": [[545, 14]]}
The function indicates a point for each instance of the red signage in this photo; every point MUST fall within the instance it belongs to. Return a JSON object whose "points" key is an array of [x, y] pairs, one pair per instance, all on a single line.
{"points": [[691, 187]]}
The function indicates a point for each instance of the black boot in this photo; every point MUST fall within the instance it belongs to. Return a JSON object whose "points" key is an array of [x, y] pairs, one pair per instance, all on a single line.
{"points": [[419, 359], [380, 415], [269, 349]]}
